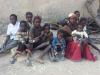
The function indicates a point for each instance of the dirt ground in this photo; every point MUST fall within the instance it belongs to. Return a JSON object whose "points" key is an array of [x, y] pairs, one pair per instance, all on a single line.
{"points": [[66, 67]]}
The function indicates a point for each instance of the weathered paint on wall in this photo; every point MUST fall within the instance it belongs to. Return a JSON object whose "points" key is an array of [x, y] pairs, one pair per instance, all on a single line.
{"points": [[46, 8], [50, 10]]}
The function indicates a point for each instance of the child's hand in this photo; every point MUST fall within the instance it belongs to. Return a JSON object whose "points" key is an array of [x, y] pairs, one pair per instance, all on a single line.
{"points": [[33, 41], [56, 53], [36, 39], [63, 53], [23, 42]]}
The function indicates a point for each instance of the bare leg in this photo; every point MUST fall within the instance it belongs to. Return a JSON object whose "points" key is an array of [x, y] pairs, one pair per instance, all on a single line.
{"points": [[14, 57], [29, 55], [42, 45], [40, 58]]}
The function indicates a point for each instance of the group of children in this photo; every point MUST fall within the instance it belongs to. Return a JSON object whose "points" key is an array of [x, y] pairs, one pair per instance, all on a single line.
{"points": [[70, 42], [38, 38]]}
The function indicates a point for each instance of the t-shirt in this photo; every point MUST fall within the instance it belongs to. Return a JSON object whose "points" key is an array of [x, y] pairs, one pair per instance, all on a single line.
{"points": [[57, 42], [35, 32], [82, 34], [46, 37], [29, 25], [72, 26], [12, 30], [22, 37]]}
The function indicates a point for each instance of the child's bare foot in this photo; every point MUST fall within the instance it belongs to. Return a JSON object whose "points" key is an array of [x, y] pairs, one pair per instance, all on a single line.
{"points": [[13, 61], [39, 60], [28, 62]]}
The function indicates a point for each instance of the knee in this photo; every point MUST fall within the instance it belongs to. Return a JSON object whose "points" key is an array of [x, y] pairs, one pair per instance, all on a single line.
{"points": [[28, 51]]}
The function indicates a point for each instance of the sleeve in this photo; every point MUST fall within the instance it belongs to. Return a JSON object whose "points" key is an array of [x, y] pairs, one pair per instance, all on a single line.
{"points": [[85, 28], [73, 32], [85, 34], [31, 30]]}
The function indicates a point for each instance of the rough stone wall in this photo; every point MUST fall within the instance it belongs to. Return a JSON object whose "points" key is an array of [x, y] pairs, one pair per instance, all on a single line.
{"points": [[50, 10]]}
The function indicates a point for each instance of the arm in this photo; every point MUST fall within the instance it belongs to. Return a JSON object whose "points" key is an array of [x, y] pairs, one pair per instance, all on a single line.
{"points": [[31, 35], [67, 29], [85, 34], [51, 38], [8, 35], [63, 46], [54, 42], [7, 39]]}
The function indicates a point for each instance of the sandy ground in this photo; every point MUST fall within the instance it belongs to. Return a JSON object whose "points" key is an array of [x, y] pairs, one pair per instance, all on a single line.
{"points": [[66, 67]]}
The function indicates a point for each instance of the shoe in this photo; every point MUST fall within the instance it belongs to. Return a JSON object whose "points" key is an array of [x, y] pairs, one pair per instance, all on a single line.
{"points": [[1, 51], [56, 59], [62, 58], [13, 61]]}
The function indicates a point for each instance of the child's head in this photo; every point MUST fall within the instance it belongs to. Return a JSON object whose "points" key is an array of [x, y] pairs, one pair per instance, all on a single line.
{"points": [[72, 17], [80, 27], [37, 21], [59, 34], [13, 19], [29, 16], [77, 13], [83, 21], [46, 27], [23, 26]]}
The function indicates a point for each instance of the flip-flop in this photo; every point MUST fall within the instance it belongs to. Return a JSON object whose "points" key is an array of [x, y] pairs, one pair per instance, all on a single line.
{"points": [[13, 61]]}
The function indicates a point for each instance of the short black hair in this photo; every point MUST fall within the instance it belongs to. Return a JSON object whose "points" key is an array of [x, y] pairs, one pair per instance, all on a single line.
{"points": [[37, 17], [14, 16], [60, 31], [24, 23], [82, 19], [46, 25], [29, 13], [76, 12]]}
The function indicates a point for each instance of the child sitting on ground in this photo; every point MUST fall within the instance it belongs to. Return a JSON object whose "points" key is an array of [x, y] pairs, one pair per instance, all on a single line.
{"points": [[79, 48], [23, 38], [59, 46]]}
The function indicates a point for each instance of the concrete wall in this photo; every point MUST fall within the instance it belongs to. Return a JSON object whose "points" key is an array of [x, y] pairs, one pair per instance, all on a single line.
{"points": [[50, 10]]}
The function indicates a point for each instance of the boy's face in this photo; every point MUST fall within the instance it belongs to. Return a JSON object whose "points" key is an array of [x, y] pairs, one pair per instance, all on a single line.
{"points": [[37, 22], [22, 26], [72, 19], [59, 35], [83, 22], [13, 20], [46, 29], [29, 18], [80, 27], [78, 14]]}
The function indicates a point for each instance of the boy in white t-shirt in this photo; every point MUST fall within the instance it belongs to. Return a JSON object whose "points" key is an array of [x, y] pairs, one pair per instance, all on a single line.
{"points": [[11, 40]]}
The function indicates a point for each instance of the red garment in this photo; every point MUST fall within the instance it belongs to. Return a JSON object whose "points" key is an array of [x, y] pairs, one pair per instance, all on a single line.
{"points": [[75, 53]]}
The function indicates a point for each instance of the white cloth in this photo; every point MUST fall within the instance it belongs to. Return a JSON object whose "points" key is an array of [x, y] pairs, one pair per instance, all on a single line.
{"points": [[82, 33], [12, 30], [85, 28]]}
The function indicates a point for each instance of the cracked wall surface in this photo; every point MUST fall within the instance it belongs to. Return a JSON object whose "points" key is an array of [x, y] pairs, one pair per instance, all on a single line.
{"points": [[50, 10]]}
